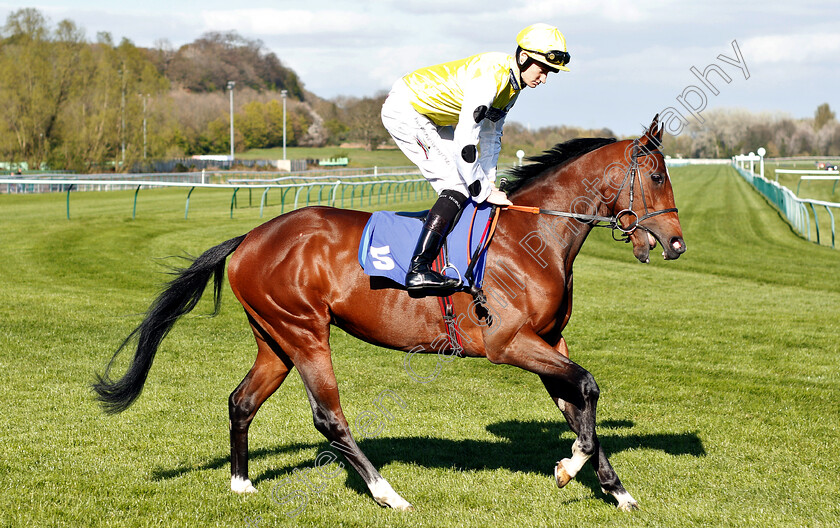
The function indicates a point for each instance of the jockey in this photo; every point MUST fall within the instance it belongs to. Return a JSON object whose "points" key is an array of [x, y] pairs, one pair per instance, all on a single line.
{"points": [[448, 120]]}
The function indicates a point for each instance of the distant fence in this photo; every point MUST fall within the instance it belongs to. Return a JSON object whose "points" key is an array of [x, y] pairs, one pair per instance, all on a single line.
{"points": [[14, 183], [811, 175], [682, 162], [795, 209], [184, 164], [326, 189]]}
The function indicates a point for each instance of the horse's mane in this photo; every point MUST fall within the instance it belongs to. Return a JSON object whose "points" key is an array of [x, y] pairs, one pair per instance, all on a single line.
{"points": [[558, 155]]}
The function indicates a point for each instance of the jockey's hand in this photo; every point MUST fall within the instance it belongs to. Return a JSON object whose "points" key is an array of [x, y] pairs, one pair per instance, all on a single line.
{"points": [[497, 197]]}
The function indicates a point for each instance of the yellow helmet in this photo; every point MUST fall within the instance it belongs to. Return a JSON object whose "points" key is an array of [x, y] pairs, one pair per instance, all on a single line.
{"points": [[545, 44]]}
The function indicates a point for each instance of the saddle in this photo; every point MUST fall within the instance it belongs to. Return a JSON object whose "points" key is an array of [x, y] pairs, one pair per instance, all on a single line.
{"points": [[388, 241]]}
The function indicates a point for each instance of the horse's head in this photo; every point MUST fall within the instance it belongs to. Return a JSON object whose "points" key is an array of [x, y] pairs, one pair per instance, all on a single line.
{"points": [[644, 207]]}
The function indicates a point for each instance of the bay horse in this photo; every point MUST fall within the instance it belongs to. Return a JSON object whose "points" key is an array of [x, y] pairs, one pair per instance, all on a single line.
{"points": [[298, 274]]}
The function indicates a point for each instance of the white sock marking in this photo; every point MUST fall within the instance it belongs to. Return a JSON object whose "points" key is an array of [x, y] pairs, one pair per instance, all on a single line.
{"points": [[385, 495], [625, 501], [240, 485], [574, 464]]}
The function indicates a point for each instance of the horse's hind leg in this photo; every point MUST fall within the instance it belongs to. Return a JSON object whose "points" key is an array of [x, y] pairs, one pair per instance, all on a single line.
{"points": [[322, 390], [270, 369], [610, 483]]}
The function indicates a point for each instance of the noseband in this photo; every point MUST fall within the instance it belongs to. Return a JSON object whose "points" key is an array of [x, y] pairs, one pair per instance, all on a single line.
{"points": [[613, 222]]}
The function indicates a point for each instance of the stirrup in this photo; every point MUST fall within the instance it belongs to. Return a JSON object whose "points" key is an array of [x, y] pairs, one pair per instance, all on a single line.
{"points": [[452, 266]]}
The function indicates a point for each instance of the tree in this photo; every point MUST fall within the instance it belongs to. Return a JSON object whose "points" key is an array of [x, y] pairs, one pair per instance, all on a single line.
{"points": [[822, 116], [68, 102], [365, 123], [39, 70], [252, 123], [274, 125]]}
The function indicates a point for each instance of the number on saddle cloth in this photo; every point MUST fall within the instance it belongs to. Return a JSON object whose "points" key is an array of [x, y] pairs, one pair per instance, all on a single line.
{"points": [[389, 238]]}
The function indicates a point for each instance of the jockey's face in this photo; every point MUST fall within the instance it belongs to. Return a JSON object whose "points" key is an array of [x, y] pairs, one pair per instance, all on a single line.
{"points": [[535, 74]]}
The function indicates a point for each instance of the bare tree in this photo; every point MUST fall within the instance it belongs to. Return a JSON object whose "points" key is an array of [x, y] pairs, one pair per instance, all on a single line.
{"points": [[365, 123], [822, 116]]}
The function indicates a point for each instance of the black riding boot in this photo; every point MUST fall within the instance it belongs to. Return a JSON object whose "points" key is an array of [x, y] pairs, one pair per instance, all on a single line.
{"points": [[420, 277]]}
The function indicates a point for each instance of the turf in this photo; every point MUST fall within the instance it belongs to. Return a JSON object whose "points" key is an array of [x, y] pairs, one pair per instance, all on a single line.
{"points": [[720, 384]]}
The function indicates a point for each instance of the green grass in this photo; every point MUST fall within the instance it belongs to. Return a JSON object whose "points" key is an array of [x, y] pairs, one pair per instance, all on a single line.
{"points": [[719, 372]]}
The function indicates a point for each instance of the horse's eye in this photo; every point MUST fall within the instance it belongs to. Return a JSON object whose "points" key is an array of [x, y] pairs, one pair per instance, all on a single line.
{"points": [[657, 178]]}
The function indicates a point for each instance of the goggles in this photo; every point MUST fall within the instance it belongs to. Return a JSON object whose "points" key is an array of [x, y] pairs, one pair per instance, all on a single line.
{"points": [[557, 57]]}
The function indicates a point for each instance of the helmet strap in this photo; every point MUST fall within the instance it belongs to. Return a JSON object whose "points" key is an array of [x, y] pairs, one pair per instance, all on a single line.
{"points": [[524, 64]]}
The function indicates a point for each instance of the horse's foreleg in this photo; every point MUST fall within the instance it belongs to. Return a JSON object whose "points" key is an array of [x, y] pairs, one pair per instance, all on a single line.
{"points": [[572, 386], [270, 369], [322, 390], [610, 483]]}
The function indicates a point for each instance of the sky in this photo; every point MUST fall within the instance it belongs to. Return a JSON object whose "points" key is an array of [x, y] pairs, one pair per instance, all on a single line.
{"points": [[630, 59]]}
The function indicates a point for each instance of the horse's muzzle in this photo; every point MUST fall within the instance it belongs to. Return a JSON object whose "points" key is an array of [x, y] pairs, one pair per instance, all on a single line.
{"points": [[675, 248]]}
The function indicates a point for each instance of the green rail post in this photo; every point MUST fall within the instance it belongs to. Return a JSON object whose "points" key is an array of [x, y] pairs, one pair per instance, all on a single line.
{"points": [[827, 208], [262, 200], [816, 223], [807, 220], [187, 207], [70, 188], [332, 194], [283, 199], [233, 201], [134, 210]]}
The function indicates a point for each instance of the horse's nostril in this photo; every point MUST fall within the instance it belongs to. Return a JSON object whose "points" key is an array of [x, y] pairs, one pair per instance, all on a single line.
{"points": [[678, 245]]}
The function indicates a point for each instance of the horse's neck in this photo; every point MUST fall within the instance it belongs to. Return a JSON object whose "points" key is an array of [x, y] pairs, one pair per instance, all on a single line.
{"points": [[564, 191]]}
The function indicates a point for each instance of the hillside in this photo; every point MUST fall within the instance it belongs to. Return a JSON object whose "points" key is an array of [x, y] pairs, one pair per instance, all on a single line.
{"points": [[211, 61]]}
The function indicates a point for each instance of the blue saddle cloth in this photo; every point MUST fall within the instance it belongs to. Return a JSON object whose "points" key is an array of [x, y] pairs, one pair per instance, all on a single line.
{"points": [[389, 238]]}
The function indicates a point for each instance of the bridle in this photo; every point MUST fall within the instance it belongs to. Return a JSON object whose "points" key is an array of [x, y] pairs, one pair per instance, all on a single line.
{"points": [[613, 222]]}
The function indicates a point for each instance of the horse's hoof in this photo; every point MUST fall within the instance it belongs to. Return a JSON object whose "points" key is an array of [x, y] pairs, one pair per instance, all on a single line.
{"points": [[561, 476], [399, 505], [629, 506], [238, 485], [385, 496]]}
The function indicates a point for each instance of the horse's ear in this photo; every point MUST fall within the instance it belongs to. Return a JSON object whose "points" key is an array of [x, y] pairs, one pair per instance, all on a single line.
{"points": [[653, 135]]}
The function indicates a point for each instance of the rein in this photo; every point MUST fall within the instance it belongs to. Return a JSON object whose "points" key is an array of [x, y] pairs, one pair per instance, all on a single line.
{"points": [[612, 222]]}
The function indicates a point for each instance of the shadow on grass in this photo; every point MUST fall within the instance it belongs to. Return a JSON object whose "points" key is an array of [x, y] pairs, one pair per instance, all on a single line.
{"points": [[523, 446]]}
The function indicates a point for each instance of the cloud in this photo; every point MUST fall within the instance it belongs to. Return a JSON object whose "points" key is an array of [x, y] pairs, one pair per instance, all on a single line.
{"points": [[611, 10], [269, 21], [792, 49]]}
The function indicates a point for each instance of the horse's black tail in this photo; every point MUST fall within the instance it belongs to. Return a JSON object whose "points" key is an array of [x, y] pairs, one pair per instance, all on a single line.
{"points": [[180, 296]]}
